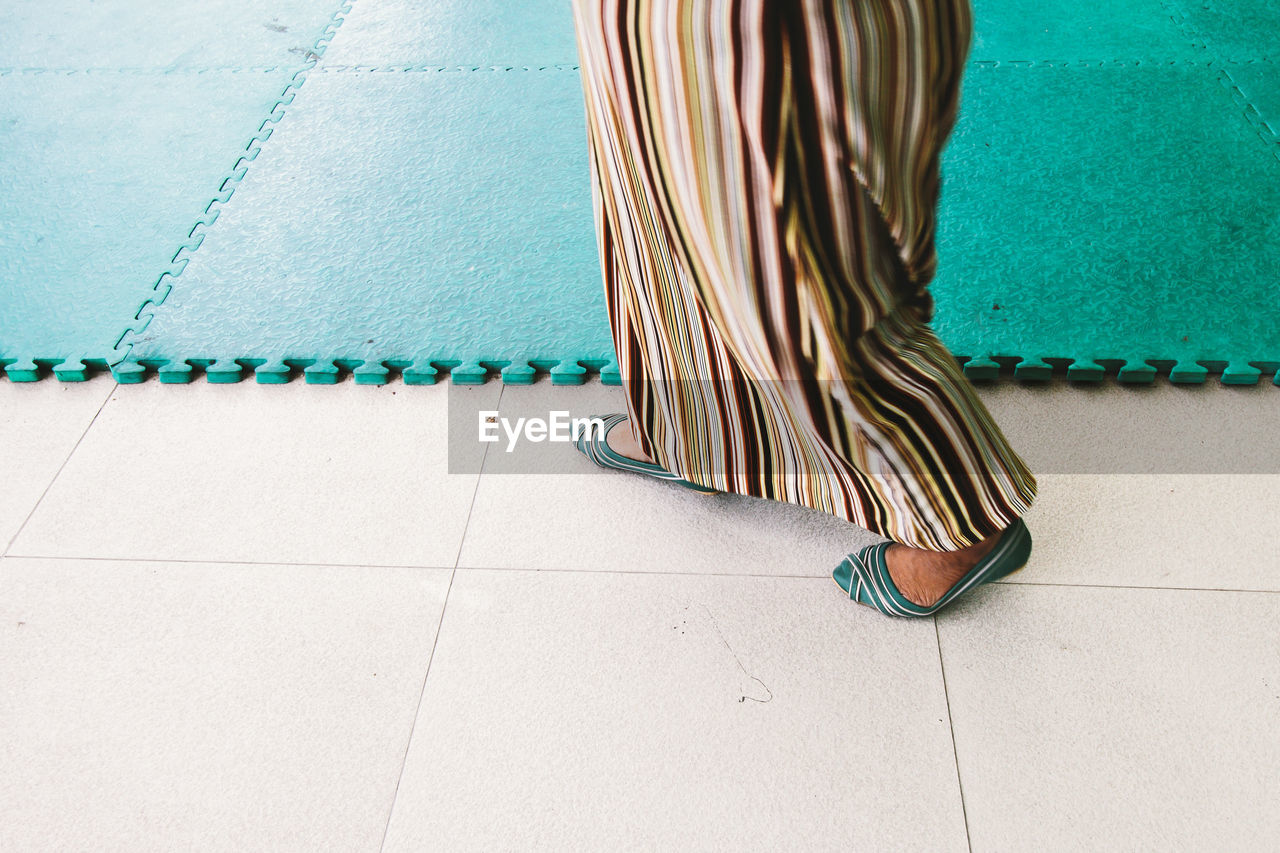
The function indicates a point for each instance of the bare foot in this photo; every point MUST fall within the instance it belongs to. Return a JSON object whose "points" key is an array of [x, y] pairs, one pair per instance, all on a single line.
{"points": [[923, 576], [621, 440]]}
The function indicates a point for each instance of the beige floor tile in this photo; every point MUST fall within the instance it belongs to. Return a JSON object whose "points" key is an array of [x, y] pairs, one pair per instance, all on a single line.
{"points": [[1161, 485], [583, 711], [1193, 531], [545, 506], [1116, 719], [39, 427], [196, 706], [269, 473]]}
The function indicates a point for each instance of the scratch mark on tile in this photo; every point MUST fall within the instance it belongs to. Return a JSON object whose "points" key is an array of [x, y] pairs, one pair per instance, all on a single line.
{"points": [[720, 633]]}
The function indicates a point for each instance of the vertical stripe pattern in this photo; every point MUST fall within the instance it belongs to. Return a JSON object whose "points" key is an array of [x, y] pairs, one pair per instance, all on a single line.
{"points": [[765, 177]]}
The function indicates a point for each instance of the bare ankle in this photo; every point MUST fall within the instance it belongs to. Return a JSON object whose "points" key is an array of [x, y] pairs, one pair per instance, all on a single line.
{"points": [[621, 440], [925, 576]]}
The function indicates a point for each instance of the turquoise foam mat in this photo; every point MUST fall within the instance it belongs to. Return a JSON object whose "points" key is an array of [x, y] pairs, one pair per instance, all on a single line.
{"points": [[422, 205]]}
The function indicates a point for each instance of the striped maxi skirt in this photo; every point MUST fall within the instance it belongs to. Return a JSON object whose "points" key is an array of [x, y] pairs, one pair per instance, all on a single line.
{"points": [[765, 176]]}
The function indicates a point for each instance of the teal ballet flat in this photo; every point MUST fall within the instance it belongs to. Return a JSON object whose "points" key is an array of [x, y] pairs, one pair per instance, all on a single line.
{"points": [[865, 575], [593, 445]]}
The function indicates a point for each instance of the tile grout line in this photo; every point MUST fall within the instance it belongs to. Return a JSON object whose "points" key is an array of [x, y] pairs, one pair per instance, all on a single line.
{"points": [[1136, 587], [404, 759], [413, 727], [951, 726], [114, 387], [655, 572]]}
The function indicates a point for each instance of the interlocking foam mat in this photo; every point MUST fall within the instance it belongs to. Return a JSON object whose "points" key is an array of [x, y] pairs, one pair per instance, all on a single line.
{"points": [[385, 187]]}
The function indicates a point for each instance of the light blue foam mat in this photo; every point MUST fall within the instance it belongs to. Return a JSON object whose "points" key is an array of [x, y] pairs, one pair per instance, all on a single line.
{"points": [[162, 34], [122, 122], [398, 33], [415, 218], [1085, 234], [106, 173]]}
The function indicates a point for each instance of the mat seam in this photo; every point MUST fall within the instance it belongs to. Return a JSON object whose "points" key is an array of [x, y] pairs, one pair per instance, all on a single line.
{"points": [[123, 346], [1269, 135], [74, 367]]}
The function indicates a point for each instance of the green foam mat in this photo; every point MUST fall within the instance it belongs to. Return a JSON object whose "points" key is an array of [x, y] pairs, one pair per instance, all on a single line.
{"points": [[1234, 30], [1151, 238], [1080, 30], [1256, 88]]}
